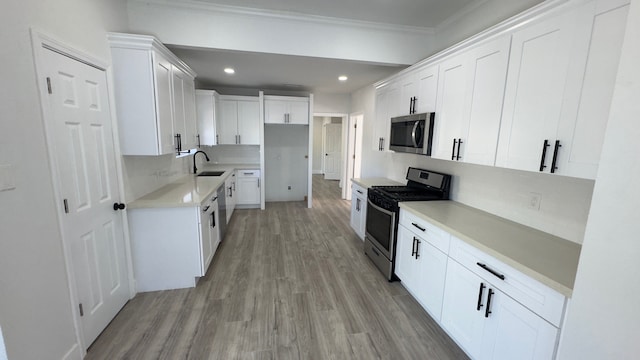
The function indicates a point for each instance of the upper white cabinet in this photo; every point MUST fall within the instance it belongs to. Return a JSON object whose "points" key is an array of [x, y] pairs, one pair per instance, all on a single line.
{"points": [[286, 110], [206, 107], [470, 95], [239, 120], [153, 96], [387, 100], [561, 77], [418, 91]]}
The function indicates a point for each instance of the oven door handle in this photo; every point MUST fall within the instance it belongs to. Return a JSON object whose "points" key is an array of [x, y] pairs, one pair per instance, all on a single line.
{"points": [[385, 211], [413, 134]]}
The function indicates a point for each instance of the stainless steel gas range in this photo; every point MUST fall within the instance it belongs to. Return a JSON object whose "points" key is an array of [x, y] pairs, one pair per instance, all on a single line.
{"points": [[383, 213]]}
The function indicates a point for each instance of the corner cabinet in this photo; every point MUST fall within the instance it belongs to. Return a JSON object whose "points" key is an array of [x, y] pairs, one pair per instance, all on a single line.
{"points": [[238, 121], [154, 93], [358, 209], [286, 110]]}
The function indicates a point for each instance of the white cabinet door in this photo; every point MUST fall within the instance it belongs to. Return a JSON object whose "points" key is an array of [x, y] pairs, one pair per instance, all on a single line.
{"points": [[358, 209], [164, 112], [248, 186], [382, 121], [206, 105], [427, 79], [275, 111], [582, 133], [190, 119], [206, 248], [488, 74], [463, 307], [227, 124], [538, 69], [407, 267], [408, 90], [178, 82], [249, 122], [512, 331], [299, 112], [452, 108]]}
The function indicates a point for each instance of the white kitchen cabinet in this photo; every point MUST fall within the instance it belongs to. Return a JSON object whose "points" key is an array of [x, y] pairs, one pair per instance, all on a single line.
{"points": [[231, 196], [488, 324], [172, 247], [418, 91], [387, 104], [286, 110], [561, 78], [470, 98], [184, 117], [191, 119], [239, 120], [248, 188], [358, 209], [143, 71], [206, 107]]}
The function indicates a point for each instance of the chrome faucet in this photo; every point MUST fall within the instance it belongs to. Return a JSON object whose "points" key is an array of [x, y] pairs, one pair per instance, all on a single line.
{"points": [[195, 169]]}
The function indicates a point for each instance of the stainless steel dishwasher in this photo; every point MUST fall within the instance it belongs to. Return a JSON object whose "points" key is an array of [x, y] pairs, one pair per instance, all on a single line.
{"points": [[222, 211]]}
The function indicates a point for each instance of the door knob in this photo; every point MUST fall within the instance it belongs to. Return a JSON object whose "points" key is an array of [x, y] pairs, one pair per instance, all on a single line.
{"points": [[117, 206]]}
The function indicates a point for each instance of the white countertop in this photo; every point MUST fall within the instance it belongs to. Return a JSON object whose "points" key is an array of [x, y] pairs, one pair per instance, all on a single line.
{"points": [[378, 181], [189, 190], [547, 258]]}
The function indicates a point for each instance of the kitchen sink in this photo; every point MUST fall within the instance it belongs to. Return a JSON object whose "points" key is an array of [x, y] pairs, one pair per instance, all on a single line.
{"points": [[211, 173]]}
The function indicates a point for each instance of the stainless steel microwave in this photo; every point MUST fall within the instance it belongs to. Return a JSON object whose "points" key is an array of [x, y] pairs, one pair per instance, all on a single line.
{"points": [[412, 133]]}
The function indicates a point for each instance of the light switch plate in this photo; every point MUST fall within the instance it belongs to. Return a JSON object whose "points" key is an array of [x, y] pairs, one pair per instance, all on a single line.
{"points": [[7, 178]]}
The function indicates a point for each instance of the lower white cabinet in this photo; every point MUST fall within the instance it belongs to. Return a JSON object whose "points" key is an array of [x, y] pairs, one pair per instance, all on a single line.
{"points": [[488, 324], [358, 209], [230, 193], [422, 269], [173, 247], [248, 186]]}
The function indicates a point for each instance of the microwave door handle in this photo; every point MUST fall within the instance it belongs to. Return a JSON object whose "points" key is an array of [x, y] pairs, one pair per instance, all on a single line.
{"points": [[413, 134]]}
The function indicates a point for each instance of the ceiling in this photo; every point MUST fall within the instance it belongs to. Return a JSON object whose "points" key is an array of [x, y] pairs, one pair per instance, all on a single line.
{"points": [[310, 74], [285, 73], [420, 13]]}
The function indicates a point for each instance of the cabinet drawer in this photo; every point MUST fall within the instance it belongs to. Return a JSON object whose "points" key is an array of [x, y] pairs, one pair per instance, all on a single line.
{"points": [[248, 173], [425, 230], [359, 190], [539, 298]]}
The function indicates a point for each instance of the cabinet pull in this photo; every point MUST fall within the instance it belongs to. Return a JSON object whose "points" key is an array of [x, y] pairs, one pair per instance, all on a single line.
{"points": [[480, 296], [417, 248], [413, 247], [359, 192], [247, 173], [418, 226], [493, 272], [198, 137], [415, 100], [555, 157], [544, 154], [453, 149], [205, 209], [258, 183], [357, 204], [217, 139], [487, 311], [411, 106], [178, 143], [213, 219], [458, 152]]}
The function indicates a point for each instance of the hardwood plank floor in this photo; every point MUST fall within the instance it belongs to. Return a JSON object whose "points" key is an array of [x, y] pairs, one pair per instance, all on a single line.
{"points": [[286, 283]]}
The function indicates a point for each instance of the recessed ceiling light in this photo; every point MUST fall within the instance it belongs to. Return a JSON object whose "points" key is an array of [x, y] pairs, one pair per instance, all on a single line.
{"points": [[229, 71], [342, 78]]}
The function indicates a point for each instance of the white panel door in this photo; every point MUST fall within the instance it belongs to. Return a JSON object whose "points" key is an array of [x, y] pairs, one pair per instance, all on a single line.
{"points": [[227, 124], [488, 64], [538, 68], [164, 109], [86, 164], [332, 151], [248, 123], [452, 109], [427, 89]]}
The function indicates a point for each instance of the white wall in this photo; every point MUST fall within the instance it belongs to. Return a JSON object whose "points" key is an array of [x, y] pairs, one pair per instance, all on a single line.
{"points": [[35, 308], [285, 147], [476, 17], [331, 103], [603, 320], [230, 154], [198, 24], [317, 144]]}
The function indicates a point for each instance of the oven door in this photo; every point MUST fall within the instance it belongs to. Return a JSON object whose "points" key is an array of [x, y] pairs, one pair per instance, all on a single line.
{"points": [[381, 228]]}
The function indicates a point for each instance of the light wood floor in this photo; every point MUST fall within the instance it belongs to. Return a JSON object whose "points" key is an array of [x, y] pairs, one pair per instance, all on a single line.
{"points": [[287, 283]]}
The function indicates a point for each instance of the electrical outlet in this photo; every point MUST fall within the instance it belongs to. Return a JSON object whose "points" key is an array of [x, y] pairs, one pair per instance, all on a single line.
{"points": [[534, 201]]}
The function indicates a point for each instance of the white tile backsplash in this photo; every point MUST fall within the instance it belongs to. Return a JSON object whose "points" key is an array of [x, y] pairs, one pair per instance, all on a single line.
{"points": [[232, 154], [145, 174], [564, 201]]}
